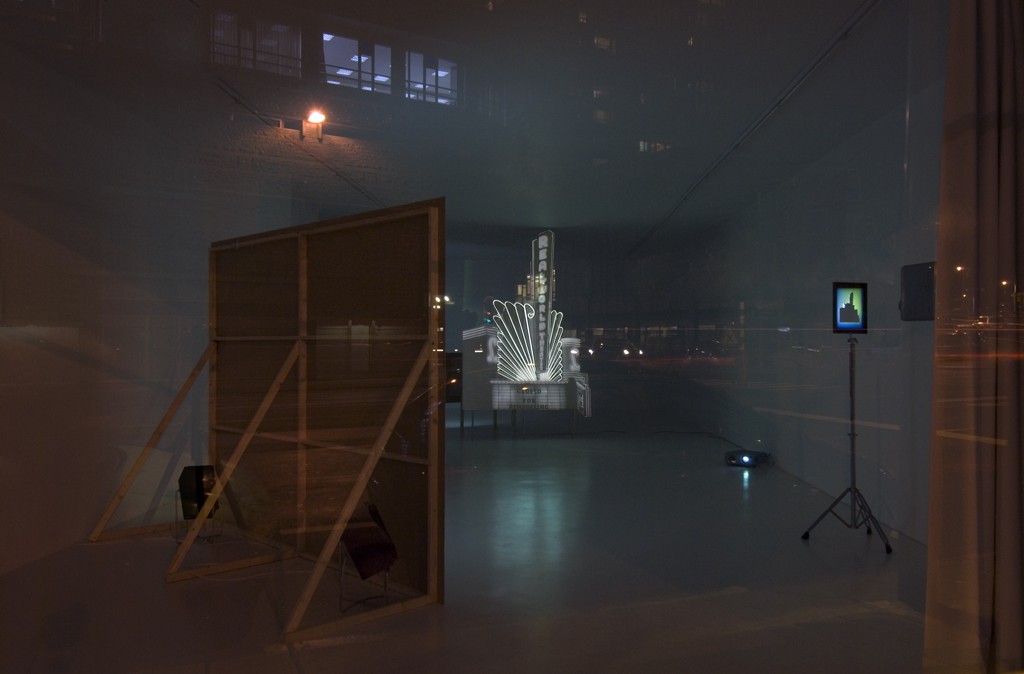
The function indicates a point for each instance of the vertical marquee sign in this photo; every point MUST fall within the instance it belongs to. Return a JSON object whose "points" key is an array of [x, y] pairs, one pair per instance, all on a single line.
{"points": [[543, 295]]}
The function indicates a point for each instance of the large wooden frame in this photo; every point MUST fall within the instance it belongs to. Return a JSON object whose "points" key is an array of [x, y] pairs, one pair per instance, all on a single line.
{"points": [[235, 304]]}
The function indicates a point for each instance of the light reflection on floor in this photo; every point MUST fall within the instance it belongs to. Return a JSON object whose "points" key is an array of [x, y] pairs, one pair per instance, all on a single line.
{"points": [[603, 553], [532, 512]]}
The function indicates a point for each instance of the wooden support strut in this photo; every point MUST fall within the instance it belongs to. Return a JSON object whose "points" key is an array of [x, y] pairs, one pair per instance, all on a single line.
{"points": [[211, 453], [435, 472], [136, 531], [303, 393], [148, 449], [232, 462], [358, 619], [212, 569], [349, 449], [357, 491]]}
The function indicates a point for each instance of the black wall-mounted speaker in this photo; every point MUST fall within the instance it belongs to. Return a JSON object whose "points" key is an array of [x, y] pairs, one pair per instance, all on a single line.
{"points": [[917, 292]]}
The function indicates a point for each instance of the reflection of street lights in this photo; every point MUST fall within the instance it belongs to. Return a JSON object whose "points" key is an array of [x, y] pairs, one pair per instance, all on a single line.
{"points": [[962, 283], [1009, 300], [315, 122]]}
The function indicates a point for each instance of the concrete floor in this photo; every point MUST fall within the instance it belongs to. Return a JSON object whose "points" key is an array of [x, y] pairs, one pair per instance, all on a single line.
{"points": [[608, 552]]}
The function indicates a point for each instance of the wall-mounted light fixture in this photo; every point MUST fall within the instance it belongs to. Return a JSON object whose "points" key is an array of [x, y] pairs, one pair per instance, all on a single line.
{"points": [[314, 125]]}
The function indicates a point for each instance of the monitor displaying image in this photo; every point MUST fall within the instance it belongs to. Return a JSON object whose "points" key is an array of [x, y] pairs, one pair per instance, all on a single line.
{"points": [[849, 307]]}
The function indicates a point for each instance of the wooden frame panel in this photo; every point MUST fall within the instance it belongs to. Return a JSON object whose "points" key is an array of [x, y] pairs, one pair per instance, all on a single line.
{"points": [[426, 373]]}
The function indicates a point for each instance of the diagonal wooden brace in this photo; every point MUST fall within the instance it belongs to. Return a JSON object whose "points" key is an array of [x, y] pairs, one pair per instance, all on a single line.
{"points": [[357, 490], [148, 449], [232, 462]]}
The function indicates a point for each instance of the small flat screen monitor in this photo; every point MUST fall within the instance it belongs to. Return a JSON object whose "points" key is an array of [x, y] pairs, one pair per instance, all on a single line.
{"points": [[849, 307]]}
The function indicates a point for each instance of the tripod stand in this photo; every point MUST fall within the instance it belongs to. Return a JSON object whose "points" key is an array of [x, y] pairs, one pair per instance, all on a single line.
{"points": [[860, 511]]}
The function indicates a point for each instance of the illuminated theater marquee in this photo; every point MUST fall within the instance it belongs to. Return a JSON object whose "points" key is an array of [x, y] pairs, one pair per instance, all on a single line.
{"points": [[523, 361], [517, 359]]}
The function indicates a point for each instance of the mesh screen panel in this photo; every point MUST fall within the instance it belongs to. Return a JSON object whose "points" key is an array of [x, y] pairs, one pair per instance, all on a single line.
{"points": [[357, 296]]}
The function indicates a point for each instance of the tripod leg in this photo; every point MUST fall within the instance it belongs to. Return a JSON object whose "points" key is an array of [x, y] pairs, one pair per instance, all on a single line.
{"points": [[869, 517], [807, 534], [860, 515]]}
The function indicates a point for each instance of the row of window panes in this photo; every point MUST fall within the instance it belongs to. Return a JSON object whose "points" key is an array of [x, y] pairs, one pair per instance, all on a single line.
{"points": [[367, 66], [276, 48], [428, 78], [360, 65], [260, 45]]}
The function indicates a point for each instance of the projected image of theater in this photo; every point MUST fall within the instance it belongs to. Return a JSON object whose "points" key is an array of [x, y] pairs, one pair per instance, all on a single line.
{"points": [[523, 360]]}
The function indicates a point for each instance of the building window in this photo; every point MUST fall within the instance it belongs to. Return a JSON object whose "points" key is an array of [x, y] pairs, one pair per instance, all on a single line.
{"points": [[647, 146], [583, 17], [600, 93], [602, 116], [259, 45], [428, 78], [359, 65], [604, 43]]}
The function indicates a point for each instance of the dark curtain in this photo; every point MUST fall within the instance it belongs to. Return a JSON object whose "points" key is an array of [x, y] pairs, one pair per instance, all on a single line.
{"points": [[975, 607]]}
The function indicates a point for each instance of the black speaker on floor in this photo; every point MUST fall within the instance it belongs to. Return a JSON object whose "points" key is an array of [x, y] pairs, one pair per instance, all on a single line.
{"points": [[195, 484], [917, 292]]}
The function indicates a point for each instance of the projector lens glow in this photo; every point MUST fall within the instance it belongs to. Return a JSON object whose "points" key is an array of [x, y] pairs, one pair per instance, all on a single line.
{"points": [[316, 117], [746, 459]]}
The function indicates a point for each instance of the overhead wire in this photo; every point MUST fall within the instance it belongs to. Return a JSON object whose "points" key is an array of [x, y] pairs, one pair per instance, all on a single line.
{"points": [[858, 16], [272, 123]]}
